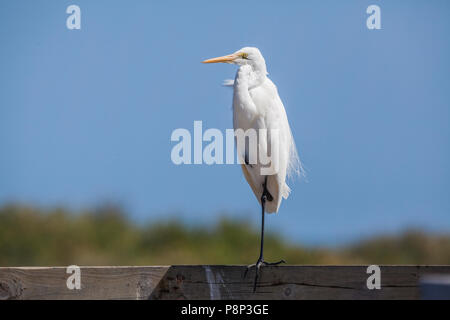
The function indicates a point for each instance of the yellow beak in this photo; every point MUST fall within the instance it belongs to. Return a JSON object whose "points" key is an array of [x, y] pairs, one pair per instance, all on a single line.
{"points": [[227, 59]]}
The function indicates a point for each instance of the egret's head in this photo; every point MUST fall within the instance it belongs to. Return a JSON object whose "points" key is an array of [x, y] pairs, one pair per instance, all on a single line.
{"points": [[246, 56]]}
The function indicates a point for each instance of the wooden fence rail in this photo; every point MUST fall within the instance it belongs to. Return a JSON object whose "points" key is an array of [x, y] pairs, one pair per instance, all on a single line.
{"points": [[213, 282]]}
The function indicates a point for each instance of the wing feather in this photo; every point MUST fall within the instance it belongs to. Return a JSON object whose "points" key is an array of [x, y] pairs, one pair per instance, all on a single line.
{"points": [[262, 108]]}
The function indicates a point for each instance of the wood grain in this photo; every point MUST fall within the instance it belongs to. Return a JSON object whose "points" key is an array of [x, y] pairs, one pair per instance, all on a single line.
{"points": [[214, 282], [96, 283]]}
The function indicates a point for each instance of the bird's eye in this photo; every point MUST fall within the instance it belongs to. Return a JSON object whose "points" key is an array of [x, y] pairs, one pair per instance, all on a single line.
{"points": [[244, 55]]}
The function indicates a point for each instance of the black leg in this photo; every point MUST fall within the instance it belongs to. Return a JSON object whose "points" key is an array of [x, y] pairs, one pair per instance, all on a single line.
{"points": [[263, 207], [260, 262]]}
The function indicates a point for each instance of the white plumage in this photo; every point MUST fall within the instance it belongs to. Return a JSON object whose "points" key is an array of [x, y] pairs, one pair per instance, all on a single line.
{"points": [[257, 105], [260, 107]]}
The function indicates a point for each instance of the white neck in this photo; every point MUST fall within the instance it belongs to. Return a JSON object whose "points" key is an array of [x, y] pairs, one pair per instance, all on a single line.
{"points": [[258, 75]]}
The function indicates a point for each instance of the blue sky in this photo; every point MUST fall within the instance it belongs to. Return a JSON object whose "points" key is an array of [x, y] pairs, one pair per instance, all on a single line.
{"points": [[86, 115]]}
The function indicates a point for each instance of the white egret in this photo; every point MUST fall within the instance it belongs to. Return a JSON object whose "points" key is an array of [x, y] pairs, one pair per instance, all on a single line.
{"points": [[256, 106]]}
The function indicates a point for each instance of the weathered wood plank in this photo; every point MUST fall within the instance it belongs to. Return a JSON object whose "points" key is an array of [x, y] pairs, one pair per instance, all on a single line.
{"points": [[96, 283], [215, 282], [292, 282]]}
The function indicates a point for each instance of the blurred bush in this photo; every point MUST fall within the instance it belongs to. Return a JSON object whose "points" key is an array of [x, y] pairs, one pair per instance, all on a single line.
{"points": [[104, 236]]}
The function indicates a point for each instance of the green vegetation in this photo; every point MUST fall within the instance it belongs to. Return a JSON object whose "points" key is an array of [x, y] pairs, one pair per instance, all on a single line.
{"points": [[35, 237]]}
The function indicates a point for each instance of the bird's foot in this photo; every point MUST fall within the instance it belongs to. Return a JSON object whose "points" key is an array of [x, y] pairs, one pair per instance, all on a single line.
{"points": [[257, 267]]}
